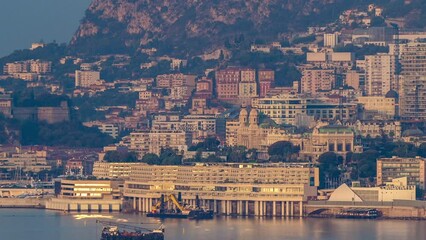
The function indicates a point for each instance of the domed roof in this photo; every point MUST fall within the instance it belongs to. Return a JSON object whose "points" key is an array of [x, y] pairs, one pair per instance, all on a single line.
{"points": [[243, 112], [392, 94], [413, 132], [253, 112]]}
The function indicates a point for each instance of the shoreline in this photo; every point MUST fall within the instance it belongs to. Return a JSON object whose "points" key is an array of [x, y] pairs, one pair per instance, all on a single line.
{"points": [[217, 216]]}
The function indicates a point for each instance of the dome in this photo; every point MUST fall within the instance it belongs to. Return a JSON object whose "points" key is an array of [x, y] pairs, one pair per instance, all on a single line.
{"points": [[254, 117], [243, 112], [412, 132], [243, 116], [392, 94], [254, 113]]}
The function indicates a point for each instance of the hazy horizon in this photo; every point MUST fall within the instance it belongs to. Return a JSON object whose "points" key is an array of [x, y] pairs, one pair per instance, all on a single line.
{"points": [[24, 22]]}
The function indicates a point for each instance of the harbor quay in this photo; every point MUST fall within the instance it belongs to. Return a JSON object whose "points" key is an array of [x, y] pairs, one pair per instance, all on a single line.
{"points": [[68, 205], [398, 209]]}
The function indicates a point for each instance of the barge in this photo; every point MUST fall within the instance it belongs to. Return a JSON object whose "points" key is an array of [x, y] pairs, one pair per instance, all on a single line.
{"points": [[118, 231], [173, 207]]}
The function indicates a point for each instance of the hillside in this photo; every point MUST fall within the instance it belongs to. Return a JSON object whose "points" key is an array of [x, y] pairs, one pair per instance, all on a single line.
{"points": [[194, 26]]}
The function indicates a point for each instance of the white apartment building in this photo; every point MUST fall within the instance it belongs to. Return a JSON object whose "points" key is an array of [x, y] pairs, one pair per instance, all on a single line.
{"points": [[32, 161], [40, 67], [111, 170], [29, 66], [331, 39], [380, 75], [413, 77], [155, 141], [87, 78], [285, 108]]}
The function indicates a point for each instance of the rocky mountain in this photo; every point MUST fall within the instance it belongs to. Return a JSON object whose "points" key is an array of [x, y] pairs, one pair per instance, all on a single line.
{"points": [[194, 26]]}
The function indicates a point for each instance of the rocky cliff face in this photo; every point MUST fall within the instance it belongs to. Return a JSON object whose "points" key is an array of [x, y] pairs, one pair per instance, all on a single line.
{"points": [[194, 25]]}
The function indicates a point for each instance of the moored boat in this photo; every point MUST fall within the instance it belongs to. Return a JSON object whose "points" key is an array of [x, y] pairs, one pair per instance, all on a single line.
{"points": [[118, 231], [358, 213]]}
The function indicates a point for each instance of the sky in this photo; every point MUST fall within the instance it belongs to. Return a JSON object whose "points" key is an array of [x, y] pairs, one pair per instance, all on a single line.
{"points": [[25, 21]]}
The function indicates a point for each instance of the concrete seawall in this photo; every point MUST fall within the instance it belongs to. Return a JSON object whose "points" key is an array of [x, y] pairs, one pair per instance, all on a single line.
{"points": [[84, 205], [23, 202], [393, 210]]}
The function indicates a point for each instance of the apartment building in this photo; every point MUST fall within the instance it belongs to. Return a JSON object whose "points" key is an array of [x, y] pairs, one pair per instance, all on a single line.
{"points": [[380, 74], [227, 83], [86, 79], [331, 39], [316, 80], [29, 66], [154, 141], [266, 79], [413, 72], [113, 170], [285, 108], [412, 168], [31, 161], [379, 107]]}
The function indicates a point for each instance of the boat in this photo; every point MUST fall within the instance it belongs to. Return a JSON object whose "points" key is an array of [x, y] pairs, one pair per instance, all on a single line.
{"points": [[199, 214], [358, 213], [119, 231], [180, 210]]}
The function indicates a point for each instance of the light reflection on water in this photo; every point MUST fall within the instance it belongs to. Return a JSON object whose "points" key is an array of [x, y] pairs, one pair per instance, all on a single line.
{"points": [[22, 224]]}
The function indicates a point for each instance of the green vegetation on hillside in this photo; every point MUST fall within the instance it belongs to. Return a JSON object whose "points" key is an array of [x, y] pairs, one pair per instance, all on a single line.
{"points": [[69, 134]]}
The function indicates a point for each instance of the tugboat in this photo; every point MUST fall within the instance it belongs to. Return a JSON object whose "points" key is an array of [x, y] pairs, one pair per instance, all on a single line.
{"points": [[179, 210], [118, 231], [358, 213]]}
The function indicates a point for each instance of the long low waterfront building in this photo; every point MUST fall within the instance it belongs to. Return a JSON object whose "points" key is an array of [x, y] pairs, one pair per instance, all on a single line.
{"points": [[86, 196], [229, 189], [112, 170]]}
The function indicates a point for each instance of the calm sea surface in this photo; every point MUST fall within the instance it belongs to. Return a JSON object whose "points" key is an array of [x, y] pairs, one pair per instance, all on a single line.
{"points": [[23, 224]]}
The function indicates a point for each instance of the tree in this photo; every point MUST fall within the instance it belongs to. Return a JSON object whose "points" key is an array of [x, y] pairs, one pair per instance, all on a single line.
{"points": [[366, 163], [209, 144], [284, 149], [405, 150], [169, 157], [120, 156], [213, 158], [151, 159], [328, 166], [422, 150], [378, 22], [237, 154]]}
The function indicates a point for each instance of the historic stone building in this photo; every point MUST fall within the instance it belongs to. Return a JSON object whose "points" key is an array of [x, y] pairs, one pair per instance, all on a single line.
{"points": [[248, 132], [329, 138]]}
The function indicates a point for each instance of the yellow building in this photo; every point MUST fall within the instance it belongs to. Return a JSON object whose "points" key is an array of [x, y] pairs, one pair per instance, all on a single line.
{"points": [[143, 142], [412, 168], [240, 189], [248, 132], [331, 138], [31, 161], [378, 107], [284, 173], [87, 196], [112, 170], [377, 128]]}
